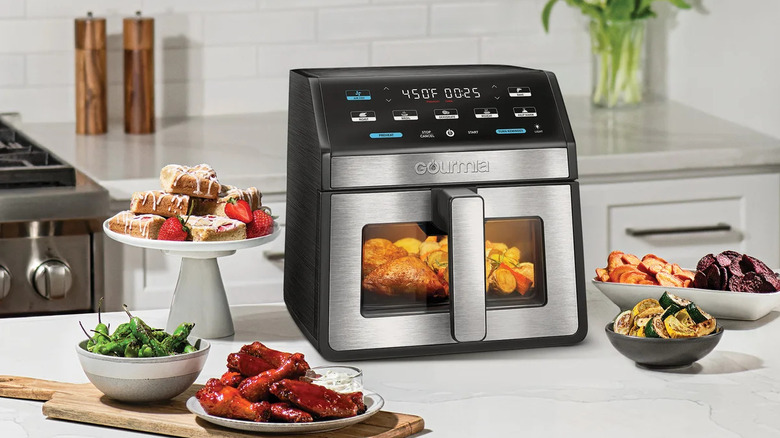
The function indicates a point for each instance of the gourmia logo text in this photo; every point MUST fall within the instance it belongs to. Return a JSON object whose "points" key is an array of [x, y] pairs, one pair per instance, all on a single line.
{"points": [[455, 166]]}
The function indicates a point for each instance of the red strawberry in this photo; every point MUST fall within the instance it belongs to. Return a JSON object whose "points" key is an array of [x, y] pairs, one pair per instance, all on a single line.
{"points": [[174, 228], [261, 225], [238, 210]]}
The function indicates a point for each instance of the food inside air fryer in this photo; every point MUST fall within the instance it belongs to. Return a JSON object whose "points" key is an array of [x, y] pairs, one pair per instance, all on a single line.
{"points": [[135, 338], [735, 272], [409, 266], [669, 317], [266, 385], [651, 270], [206, 209]]}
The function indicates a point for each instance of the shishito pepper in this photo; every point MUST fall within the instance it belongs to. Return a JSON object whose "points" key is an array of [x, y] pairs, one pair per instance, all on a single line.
{"points": [[179, 335]]}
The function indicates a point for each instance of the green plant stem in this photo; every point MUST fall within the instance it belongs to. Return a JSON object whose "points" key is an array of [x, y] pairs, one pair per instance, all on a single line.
{"points": [[617, 49]]}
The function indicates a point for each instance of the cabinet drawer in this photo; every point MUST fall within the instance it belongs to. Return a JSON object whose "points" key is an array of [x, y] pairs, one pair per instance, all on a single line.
{"points": [[681, 220]]}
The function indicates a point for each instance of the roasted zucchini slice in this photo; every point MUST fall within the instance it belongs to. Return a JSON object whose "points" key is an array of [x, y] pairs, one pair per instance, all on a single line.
{"points": [[623, 323], [655, 328], [668, 299], [706, 327], [644, 305], [697, 314], [677, 329]]}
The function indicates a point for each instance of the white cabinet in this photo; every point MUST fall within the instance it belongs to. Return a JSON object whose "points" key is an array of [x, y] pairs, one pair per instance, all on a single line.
{"points": [[147, 278], [681, 220]]}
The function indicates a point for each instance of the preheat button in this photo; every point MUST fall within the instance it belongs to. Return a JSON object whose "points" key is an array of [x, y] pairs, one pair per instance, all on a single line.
{"points": [[386, 135]]}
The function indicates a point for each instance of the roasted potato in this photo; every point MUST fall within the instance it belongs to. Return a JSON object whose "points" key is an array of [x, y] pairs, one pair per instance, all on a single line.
{"points": [[410, 244]]}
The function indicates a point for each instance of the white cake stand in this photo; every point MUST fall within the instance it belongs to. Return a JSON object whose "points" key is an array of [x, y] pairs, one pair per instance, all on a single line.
{"points": [[199, 296]]}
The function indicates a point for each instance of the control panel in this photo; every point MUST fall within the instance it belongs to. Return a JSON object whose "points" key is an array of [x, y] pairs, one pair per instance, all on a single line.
{"points": [[499, 110]]}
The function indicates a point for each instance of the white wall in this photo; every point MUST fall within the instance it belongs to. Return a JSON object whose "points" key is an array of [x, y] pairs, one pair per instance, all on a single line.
{"points": [[725, 59], [221, 57]]}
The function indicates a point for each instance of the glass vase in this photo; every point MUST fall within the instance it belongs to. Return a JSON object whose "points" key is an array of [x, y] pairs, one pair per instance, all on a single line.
{"points": [[618, 62]]}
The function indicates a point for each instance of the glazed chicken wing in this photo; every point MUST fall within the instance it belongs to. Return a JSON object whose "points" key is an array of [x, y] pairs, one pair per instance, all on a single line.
{"points": [[406, 275], [317, 400], [377, 252], [226, 401], [286, 413], [247, 365], [256, 388], [272, 357]]}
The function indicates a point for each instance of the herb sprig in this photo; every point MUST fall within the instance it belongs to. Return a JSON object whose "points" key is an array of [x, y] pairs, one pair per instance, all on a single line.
{"points": [[610, 10]]}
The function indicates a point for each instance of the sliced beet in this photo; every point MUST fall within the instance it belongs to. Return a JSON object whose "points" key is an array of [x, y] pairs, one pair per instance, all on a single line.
{"points": [[723, 260], [712, 272], [774, 280], [700, 280], [724, 278], [705, 262], [752, 264]]}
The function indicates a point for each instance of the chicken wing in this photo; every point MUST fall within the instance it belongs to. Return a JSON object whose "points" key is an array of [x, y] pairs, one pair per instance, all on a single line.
{"points": [[256, 388], [226, 401], [273, 357], [406, 275], [247, 365], [317, 400], [286, 413]]}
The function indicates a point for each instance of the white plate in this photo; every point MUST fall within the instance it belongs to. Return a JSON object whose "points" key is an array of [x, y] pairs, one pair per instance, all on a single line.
{"points": [[169, 245], [748, 306], [373, 401]]}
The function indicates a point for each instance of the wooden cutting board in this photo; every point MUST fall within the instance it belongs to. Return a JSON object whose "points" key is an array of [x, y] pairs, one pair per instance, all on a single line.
{"points": [[83, 403]]}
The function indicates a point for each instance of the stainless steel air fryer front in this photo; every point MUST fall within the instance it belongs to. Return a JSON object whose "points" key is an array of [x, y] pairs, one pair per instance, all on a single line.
{"points": [[429, 214]]}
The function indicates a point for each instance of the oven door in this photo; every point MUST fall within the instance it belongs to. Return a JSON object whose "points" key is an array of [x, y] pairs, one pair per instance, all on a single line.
{"points": [[430, 268]]}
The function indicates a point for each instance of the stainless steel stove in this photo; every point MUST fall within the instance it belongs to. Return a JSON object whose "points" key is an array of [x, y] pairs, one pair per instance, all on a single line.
{"points": [[51, 244]]}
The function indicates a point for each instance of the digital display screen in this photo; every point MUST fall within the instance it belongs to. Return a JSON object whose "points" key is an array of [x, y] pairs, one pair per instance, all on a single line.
{"points": [[437, 93], [450, 112]]}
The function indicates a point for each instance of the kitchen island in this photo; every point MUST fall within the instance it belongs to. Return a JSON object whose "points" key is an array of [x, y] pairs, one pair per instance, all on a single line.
{"points": [[583, 390]]}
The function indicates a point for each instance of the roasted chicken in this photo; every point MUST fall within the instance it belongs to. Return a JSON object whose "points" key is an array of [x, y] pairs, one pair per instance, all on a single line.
{"points": [[406, 275], [226, 401], [377, 252]]}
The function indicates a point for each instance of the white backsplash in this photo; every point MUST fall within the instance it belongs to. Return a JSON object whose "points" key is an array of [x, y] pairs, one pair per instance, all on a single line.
{"points": [[223, 57], [233, 56]]}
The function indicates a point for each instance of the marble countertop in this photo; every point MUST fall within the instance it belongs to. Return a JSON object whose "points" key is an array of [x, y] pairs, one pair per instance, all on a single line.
{"points": [[587, 389], [658, 139]]}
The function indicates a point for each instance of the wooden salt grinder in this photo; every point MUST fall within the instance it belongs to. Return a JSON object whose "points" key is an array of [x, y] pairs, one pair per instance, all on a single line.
{"points": [[91, 113], [139, 74]]}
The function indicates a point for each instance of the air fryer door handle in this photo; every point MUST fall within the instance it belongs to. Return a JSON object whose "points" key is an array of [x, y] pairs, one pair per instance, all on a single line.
{"points": [[461, 212]]}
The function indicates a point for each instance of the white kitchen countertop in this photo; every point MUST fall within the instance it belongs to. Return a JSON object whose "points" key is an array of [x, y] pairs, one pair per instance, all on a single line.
{"points": [[657, 139], [584, 390]]}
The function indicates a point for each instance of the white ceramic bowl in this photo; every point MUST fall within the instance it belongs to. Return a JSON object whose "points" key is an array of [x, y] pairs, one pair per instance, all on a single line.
{"points": [[142, 379]]}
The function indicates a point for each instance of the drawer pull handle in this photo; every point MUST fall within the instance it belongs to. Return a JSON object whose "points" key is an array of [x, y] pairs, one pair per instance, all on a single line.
{"points": [[677, 230]]}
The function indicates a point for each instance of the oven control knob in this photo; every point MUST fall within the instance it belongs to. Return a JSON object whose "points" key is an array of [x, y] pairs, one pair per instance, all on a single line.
{"points": [[52, 279], [5, 282]]}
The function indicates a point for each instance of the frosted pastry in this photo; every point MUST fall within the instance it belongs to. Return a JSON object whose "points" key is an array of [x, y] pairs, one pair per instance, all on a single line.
{"points": [[198, 181], [146, 226], [250, 195], [215, 228], [159, 203]]}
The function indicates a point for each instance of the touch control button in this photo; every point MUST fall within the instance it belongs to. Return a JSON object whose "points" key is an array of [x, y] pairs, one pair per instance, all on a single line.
{"points": [[486, 113], [386, 135], [363, 116], [450, 133], [445, 114], [510, 131], [404, 114], [525, 111], [358, 94], [519, 91]]}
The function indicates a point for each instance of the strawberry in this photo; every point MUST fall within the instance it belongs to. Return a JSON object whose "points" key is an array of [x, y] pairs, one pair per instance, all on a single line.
{"points": [[238, 210], [174, 228], [261, 225]]}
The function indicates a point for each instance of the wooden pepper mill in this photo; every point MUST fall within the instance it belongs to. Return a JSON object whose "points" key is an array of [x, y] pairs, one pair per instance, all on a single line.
{"points": [[139, 74], [91, 112]]}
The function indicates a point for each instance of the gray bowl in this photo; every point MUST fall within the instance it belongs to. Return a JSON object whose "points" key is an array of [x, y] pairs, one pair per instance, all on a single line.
{"points": [[142, 379], [663, 353]]}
